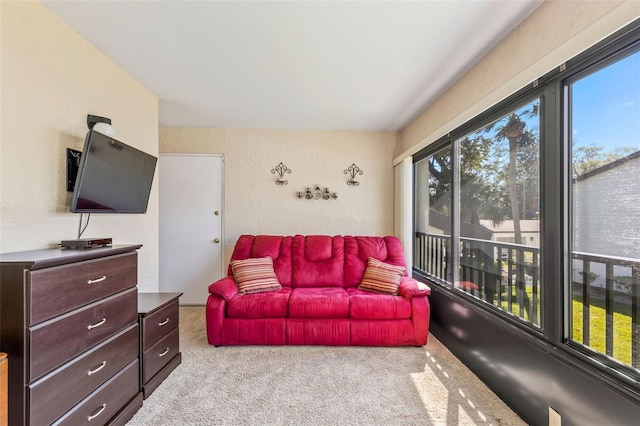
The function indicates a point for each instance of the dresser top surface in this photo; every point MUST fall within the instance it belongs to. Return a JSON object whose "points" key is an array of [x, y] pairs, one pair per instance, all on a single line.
{"points": [[44, 258]]}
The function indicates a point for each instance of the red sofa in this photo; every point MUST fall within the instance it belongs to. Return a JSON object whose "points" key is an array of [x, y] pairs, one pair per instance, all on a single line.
{"points": [[319, 302]]}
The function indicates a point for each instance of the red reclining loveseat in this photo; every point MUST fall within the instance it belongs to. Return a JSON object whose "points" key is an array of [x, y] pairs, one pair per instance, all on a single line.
{"points": [[319, 302]]}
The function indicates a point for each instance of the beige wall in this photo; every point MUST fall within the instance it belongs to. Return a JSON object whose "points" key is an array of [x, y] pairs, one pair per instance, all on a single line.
{"points": [[51, 78], [254, 204], [554, 33]]}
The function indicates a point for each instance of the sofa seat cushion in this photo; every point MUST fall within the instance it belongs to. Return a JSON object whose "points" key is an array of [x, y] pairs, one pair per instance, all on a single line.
{"points": [[272, 304], [320, 302], [367, 305]]}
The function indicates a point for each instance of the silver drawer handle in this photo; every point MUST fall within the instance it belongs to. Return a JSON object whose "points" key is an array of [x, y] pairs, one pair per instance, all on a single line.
{"points": [[98, 368], [166, 351], [97, 413], [98, 324], [97, 280], [163, 322]]}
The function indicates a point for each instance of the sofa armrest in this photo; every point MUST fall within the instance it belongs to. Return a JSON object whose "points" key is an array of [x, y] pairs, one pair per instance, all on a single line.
{"points": [[410, 288], [225, 288]]}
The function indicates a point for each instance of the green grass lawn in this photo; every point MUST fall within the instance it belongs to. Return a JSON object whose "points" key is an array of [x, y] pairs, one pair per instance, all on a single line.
{"points": [[597, 324], [515, 307], [597, 328]]}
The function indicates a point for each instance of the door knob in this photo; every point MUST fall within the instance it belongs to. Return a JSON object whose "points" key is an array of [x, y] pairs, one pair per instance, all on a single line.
{"points": [[216, 240], [217, 213]]}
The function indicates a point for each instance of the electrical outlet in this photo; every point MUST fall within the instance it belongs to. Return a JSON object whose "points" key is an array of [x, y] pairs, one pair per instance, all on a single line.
{"points": [[555, 419]]}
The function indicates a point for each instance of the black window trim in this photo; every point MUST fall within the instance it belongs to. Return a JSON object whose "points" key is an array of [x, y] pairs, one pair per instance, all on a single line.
{"points": [[607, 55], [555, 208]]}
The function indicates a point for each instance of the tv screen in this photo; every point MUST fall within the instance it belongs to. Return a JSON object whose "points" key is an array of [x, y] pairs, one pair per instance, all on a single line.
{"points": [[113, 177]]}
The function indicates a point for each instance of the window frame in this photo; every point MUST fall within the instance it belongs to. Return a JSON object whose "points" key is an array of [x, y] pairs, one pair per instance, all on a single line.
{"points": [[452, 139], [555, 208], [600, 60]]}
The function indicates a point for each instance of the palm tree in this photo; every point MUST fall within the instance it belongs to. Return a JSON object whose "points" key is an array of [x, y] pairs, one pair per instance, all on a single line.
{"points": [[515, 131], [512, 130]]}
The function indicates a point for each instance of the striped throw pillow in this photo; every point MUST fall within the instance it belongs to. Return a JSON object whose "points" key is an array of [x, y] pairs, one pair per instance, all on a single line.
{"points": [[381, 277], [255, 275]]}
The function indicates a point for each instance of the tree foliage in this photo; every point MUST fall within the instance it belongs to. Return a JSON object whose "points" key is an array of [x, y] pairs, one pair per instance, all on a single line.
{"points": [[587, 158], [514, 129], [498, 172]]}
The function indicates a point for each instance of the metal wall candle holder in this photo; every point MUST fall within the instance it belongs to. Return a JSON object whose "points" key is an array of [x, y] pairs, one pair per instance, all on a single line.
{"points": [[281, 169], [353, 170], [317, 194]]}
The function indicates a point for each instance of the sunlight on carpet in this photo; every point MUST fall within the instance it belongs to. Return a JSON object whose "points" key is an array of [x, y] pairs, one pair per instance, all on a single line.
{"points": [[317, 385]]}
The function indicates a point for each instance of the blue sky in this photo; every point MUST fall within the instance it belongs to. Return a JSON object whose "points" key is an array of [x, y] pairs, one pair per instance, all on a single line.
{"points": [[606, 106]]}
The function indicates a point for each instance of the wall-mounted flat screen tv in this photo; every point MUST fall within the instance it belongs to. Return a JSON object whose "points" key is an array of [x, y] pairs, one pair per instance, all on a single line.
{"points": [[113, 177]]}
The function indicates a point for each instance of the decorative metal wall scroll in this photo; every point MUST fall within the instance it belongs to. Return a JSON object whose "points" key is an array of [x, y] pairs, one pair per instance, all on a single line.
{"points": [[317, 194], [353, 170], [281, 169]]}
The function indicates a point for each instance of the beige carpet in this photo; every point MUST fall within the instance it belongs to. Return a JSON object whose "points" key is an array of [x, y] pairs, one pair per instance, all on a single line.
{"points": [[317, 385]]}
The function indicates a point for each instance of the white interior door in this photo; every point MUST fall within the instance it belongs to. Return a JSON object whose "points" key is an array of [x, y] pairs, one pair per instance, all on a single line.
{"points": [[190, 224]]}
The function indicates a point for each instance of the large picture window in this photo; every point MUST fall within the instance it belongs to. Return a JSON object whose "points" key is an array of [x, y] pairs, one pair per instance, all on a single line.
{"points": [[434, 189], [604, 128], [530, 212], [499, 202], [494, 215]]}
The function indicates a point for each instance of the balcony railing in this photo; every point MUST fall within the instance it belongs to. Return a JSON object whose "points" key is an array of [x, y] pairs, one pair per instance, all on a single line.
{"points": [[507, 276], [431, 254], [618, 290], [502, 274]]}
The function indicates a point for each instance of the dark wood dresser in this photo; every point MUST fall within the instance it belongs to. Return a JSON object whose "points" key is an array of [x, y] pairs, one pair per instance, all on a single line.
{"points": [[69, 325], [159, 338]]}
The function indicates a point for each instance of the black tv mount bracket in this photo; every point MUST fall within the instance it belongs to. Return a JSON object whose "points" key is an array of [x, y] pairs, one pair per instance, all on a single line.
{"points": [[93, 119], [73, 155], [73, 163]]}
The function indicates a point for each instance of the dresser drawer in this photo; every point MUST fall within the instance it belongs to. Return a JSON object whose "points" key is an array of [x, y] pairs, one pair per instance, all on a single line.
{"points": [[56, 394], [54, 291], [158, 355], [159, 323], [57, 341], [99, 407]]}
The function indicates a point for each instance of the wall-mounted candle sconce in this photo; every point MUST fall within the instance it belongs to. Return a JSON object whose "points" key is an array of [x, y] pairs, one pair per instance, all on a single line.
{"points": [[353, 170], [281, 169], [317, 194]]}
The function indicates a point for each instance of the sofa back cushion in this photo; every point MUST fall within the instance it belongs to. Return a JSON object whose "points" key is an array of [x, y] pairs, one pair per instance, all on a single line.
{"points": [[317, 260], [357, 251], [274, 246]]}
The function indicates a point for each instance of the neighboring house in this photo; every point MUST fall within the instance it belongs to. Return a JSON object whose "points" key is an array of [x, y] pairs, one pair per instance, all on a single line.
{"points": [[441, 224], [503, 232], [605, 228]]}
